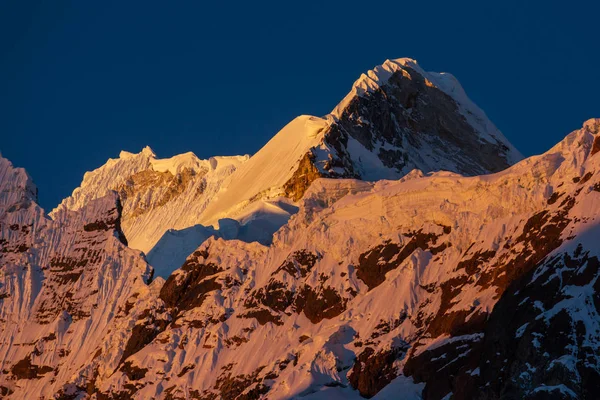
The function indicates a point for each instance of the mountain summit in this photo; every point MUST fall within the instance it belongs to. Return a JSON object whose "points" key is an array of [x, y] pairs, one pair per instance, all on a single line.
{"points": [[396, 118]]}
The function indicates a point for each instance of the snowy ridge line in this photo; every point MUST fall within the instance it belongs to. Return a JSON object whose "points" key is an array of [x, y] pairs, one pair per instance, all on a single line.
{"points": [[382, 129], [379, 76]]}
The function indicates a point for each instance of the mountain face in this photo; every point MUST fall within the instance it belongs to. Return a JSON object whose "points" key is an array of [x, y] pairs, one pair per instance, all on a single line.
{"points": [[423, 285], [398, 118], [395, 119], [68, 288], [152, 192]]}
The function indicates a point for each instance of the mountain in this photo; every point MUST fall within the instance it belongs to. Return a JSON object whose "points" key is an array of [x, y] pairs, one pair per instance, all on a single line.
{"points": [[476, 282], [153, 192], [396, 118], [479, 287]]}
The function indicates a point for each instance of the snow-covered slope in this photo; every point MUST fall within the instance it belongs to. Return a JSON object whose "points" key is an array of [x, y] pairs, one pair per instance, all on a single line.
{"points": [[265, 174], [396, 118], [431, 286]]}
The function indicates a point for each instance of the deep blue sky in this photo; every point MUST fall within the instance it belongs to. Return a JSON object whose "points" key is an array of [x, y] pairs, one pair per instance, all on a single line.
{"points": [[81, 80]]}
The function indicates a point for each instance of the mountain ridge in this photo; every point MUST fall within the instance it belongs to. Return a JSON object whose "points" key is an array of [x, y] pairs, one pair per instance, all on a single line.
{"points": [[476, 282], [355, 295], [396, 118]]}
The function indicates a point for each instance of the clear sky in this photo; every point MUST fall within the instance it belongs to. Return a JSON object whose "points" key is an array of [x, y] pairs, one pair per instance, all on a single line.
{"points": [[82, 80]]}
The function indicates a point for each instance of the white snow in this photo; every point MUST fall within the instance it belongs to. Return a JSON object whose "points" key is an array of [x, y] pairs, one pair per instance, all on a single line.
{"points": [[266, 172], [561, 388], [336, 219], [235, 188]]}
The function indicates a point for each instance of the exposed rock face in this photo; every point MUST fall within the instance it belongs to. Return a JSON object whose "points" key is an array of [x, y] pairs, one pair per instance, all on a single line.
{"points": [[24, 369], [596, 146], [409, 111], [373, 371], [374, 264], [542, 338], [138, 188], [304, 175], [188, 291]]}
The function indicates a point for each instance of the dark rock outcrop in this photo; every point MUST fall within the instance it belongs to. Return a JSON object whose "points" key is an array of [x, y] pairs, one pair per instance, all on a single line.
{"points": [[373, 370]]}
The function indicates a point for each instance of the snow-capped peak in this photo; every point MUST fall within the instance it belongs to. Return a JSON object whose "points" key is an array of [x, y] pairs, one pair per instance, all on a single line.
{"points": [[379, 76], [395, 119], [372, 80]]}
